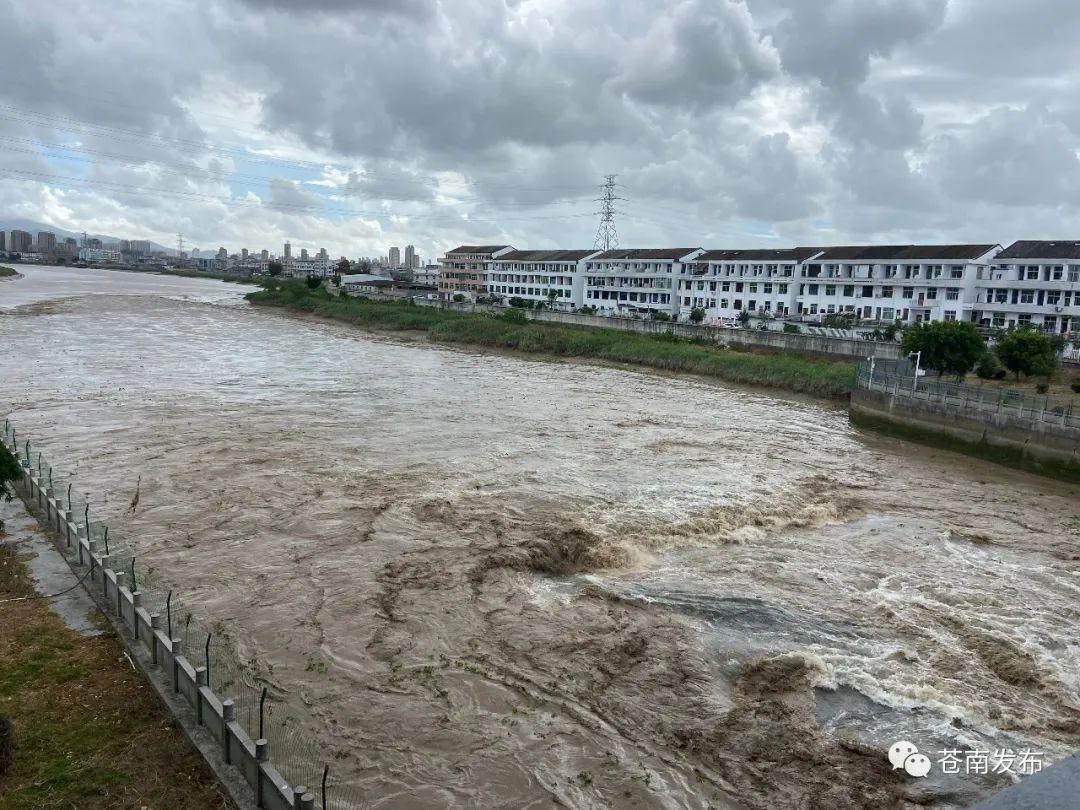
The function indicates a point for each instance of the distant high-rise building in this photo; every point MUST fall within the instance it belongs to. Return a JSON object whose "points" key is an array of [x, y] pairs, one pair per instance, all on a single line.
{"points": [[125, 245], [3, 244], [410, 256], [46, 242], [323, 254], [243, 253], [304, 254], [93, 244], [265, 255], [71, 246], [21, 242], [194, 253], [395, 257], [222, 253], [288, 251]]}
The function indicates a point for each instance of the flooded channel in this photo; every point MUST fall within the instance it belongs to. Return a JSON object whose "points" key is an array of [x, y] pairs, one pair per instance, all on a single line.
{"points": [[507, 582]]}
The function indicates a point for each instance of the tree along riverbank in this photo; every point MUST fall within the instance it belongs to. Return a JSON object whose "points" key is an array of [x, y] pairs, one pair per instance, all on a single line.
{"points": [[5, 271], [802, 375]]}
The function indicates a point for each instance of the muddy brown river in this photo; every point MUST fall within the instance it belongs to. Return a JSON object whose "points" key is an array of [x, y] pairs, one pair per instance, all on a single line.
{"points": [[503, 582]]}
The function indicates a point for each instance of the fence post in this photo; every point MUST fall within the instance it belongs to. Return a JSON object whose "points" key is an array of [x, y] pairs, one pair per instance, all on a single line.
{"points": [[155, 624], [261, 756], [177, 650], [228, 715], [120, 577], [200, 681]]}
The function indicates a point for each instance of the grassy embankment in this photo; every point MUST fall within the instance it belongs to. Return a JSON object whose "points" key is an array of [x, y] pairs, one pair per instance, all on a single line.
{"points": [[6, 271], [157, 271], [88, 731], [790, 372]]}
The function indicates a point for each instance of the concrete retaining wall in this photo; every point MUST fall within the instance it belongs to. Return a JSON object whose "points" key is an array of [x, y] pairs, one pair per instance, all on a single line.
{"points": [[158, 655], [755, 339], [1029, 444]]}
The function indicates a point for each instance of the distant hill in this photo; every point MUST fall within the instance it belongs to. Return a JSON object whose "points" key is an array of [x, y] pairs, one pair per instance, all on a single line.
{"points": [[8, 224]]}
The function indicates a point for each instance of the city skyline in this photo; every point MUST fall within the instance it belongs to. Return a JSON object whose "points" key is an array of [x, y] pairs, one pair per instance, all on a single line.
{"points": [[758, 124]]}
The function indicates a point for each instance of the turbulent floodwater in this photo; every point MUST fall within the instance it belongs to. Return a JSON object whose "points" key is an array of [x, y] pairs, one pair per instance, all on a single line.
{"points": [[500, 582]]}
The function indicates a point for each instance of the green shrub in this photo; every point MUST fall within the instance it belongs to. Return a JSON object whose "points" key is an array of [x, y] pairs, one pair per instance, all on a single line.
{"points": [[989, 367], [1027, 352], [658, 315], [514, 316], [512, 330], [947, 347], [697, 315], [792, 329], [1042, 388]]}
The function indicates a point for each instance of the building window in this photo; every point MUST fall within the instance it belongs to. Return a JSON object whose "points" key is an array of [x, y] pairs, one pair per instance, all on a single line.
{"points": [[952, 294]]}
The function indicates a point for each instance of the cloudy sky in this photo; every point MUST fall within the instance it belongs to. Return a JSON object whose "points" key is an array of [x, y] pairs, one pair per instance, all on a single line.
{"points": [[360, 124]]}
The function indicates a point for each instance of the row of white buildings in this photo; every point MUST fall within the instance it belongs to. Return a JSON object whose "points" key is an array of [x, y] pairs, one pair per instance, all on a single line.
{"points": [[1036, 282]]}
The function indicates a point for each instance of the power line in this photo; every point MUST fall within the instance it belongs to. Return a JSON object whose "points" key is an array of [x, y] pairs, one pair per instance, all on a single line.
{"points": [[297, 207], [67, 123], [240, 179]]}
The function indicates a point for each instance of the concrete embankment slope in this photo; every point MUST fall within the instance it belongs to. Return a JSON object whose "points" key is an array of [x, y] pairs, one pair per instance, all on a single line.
{"points": [[1026, 442]]}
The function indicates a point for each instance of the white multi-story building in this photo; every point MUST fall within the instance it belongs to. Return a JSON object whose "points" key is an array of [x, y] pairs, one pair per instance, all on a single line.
{"points": [[463, 270], [308, 266], [637, 281], [100, 255], [887, 283], [428, 275], [553, 277], [725, 283], [1031, 282]]}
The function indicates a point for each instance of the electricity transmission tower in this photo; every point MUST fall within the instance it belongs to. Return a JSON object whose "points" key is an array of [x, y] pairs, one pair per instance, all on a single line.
{"points": [[606, 235]]}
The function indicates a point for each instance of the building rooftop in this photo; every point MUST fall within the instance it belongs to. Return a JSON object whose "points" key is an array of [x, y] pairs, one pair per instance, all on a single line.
{"points": [[365, 278], [672, 254], [765, 255], [1036, 249], [489, 249], [904, 252], [545, 255]]}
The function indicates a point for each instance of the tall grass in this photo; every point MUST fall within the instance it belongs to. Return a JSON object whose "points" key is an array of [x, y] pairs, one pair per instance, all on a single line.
{"points": [[790, 372]]}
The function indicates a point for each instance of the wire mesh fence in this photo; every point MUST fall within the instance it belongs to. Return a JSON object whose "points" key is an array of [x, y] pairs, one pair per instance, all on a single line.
{"points": [[898, 377], [204, 643]]}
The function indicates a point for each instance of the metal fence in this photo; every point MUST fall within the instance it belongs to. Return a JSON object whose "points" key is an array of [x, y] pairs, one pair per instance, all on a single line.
{"points": [[897, 377], [229, 674]]}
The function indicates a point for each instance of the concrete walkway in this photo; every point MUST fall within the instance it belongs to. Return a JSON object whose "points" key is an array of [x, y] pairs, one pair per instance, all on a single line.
{"points": [[49, 570]]}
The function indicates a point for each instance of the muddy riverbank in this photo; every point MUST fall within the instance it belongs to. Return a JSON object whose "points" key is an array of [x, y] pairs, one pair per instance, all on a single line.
{"points": [[498, 582]]}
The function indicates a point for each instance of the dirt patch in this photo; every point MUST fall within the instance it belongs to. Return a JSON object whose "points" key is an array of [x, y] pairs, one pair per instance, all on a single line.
{"points": [[88, 731]]}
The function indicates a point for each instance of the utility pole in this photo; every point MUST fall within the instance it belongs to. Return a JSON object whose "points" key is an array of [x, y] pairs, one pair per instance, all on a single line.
{"points": [[606, 235]]}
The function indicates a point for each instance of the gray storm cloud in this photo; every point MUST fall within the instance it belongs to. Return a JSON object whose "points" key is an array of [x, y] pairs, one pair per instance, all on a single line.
{"points": [[729, 123]]}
